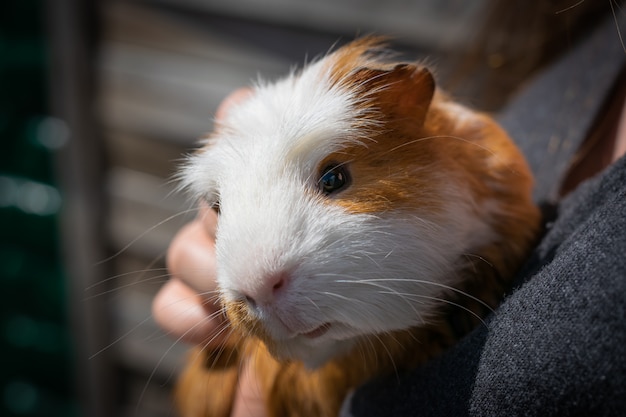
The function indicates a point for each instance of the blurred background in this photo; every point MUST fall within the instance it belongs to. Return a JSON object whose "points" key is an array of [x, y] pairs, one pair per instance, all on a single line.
{"points": [[99, 100]]}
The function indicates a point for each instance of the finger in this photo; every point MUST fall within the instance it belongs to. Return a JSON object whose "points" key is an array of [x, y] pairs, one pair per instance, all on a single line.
{"points": [[179, 311], [249, 397], [208, 217], [233, 98], [191, 256]]}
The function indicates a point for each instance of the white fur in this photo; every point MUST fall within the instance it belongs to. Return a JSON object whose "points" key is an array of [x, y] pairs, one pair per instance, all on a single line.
{"points": [[361, 273]]}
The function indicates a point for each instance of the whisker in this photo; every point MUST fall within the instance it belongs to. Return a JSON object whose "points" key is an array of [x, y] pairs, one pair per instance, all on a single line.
{"points": [[124, 274], [390, 356], [570, 7], [313, 302], [490, 151], [443, 300], [158, 333], [619, 33], [160, 361], [411, 142], [473, 255], [341, 297], [121, 287], [419, 281], [141, 323], [226, 327], [135, 240], [387, 289]]}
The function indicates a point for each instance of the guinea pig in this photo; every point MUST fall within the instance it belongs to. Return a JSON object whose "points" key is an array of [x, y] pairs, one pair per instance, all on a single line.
{"points": [[367, 222]]}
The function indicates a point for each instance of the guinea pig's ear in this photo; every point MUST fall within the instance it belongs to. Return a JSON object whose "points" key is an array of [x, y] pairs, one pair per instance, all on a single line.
{"points": [[404, 91]]}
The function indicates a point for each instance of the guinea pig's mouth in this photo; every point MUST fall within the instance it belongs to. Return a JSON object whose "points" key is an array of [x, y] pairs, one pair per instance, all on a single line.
{"points": [[316, 332], [298, 329], [313, 346]]}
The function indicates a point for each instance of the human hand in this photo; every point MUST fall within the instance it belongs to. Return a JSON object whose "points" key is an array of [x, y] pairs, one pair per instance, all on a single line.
{"points": [[187, 306]]}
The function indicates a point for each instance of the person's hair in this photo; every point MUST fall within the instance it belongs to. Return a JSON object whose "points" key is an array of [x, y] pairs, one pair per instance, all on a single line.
{"points": [[518, 37]]}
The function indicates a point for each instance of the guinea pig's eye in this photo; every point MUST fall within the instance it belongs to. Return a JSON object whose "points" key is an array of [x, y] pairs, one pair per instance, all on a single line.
{"points": [[211, 202], [333, 178], [216, 206]]}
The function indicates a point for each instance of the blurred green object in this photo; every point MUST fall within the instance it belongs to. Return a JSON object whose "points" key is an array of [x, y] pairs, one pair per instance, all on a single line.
{"points": [[36, 374]]}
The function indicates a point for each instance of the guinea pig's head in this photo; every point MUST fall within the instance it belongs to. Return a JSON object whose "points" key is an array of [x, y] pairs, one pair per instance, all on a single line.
{"points": [[340, 214]]}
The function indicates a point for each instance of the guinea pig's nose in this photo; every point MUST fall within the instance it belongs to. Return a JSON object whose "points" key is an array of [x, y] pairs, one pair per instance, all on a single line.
{"points": [[269, 288]]}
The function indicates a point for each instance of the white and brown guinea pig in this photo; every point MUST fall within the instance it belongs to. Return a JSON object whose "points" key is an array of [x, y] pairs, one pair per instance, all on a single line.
{"points": [[366, 223]]}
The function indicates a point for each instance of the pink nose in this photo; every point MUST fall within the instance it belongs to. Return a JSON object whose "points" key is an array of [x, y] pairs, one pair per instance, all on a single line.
{"points": [[268, 289]]}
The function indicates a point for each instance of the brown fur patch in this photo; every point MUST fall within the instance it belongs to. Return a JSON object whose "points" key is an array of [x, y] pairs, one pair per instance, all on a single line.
{"points": [[208, 383]]}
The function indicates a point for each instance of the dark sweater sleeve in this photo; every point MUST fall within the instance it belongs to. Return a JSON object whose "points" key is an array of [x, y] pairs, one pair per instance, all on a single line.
{"points": [[557, 344]]}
